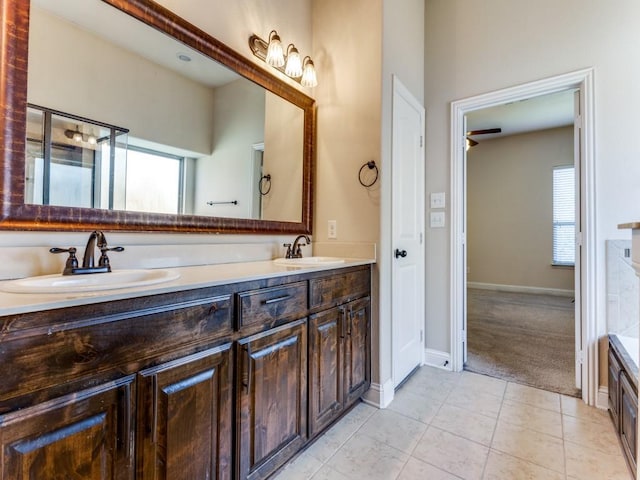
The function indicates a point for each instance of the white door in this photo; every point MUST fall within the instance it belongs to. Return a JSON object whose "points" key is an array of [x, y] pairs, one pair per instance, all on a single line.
{"points": [[407, 273]]}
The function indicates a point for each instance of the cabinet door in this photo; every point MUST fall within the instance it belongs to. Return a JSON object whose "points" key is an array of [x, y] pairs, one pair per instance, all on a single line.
{"points": [[628, 420], [357, 350], [85, 435], [272, 397], [614, 387], [326, 367], [185, 409]]}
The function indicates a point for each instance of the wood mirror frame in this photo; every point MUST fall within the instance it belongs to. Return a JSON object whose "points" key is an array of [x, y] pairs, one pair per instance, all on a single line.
{"points": [[16, 215]]}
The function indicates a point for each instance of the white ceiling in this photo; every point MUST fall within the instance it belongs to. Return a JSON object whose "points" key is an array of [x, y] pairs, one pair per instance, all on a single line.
{"points": [[539, 113], [120, 29]]}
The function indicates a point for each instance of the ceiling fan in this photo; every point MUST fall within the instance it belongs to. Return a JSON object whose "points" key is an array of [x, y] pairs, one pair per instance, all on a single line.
{"points": [[472, 143]]}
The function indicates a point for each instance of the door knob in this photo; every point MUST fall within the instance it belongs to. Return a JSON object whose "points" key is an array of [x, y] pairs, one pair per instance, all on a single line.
{"points": [[401, 253]]}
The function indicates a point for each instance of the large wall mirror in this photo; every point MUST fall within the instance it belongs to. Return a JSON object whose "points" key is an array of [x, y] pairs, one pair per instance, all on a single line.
{"points": [[122, 115]]}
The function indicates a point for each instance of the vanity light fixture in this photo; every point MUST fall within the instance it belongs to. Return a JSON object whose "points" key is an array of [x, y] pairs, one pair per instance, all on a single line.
{"points": [[289, 63]]}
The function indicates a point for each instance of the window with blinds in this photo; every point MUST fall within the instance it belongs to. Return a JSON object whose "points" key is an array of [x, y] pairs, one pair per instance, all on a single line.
{"points": [[564, 213]]}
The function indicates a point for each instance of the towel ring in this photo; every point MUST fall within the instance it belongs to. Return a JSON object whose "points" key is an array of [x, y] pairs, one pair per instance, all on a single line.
{"points": [[264, 185], [372, 166]]}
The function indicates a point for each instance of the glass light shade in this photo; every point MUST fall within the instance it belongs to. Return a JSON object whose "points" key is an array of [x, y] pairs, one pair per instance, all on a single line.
{"points": [[92, 140], [294, 63], [309, 78], [77, 136], [275, 53]]}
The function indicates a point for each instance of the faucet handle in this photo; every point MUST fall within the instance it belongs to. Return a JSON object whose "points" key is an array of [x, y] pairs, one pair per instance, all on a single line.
{"points": [[72, 261], [289, 253], [104, 260]]}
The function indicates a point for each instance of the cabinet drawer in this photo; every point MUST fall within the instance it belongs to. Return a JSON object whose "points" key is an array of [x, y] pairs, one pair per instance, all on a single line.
{"points": [[334, 290], [272, 306], [92, 343]]}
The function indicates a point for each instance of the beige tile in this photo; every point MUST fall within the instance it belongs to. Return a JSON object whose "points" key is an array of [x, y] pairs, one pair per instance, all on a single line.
{"points": [[329, 443], [575, 407], [587, 464], [467, 424], [431, 382], [594, 435], [533, 418], [413, 405], [483, 383], [300, 468], [469, 398], [364, 458], [452, 453], [539, 448], [501, 466], [394, 429], [417, 470], [533, 396], [328, 473]]}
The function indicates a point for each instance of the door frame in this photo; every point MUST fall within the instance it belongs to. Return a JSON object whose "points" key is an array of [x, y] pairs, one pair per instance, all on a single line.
{"points": [[399, 89], [583, 80]]}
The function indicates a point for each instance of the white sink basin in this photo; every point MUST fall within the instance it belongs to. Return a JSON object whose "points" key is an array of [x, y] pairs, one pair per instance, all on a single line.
{"points": [[90, 282], [308, 261]]}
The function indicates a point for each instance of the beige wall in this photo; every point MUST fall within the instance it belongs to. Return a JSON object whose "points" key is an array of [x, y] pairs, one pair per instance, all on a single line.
{"points": [[478, 47], [509, 209]]}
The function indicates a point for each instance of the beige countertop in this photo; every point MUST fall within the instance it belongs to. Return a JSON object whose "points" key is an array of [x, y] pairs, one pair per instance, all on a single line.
{"points": [[190, 278], [632, 225]]}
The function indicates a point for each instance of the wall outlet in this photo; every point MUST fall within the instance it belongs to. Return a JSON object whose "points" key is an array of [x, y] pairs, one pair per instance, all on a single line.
{"points": [[332, 229]]}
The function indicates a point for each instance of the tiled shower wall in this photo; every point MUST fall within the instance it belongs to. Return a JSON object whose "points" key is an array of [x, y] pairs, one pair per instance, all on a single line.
{"points": [[623, 297]]}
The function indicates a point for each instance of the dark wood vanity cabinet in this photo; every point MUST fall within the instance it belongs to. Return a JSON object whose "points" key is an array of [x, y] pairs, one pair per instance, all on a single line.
{"points": [[272, 398], [339, 350], [185, 417], [623, 399], [87, 434], [224, 382]]}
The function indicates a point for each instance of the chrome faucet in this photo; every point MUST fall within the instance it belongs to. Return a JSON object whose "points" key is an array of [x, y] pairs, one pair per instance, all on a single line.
{"points": [[295, 251], [96, 239]]}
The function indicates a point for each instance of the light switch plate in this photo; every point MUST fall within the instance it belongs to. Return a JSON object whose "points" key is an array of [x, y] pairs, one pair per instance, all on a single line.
{"points": [[438, 200], [437, 220]]}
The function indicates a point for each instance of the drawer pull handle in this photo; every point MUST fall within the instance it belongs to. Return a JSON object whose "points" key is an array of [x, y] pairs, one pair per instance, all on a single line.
{"points": [[276, 300]]}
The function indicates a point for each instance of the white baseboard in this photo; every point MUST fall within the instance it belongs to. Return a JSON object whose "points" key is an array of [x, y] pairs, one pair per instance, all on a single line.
{"points": [[436, 358], [379, 396], [602, 400], [558, 292]]}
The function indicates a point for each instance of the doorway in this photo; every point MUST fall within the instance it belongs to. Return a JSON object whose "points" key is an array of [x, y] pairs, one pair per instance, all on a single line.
{"points": [[586, 345], [521, 214]]}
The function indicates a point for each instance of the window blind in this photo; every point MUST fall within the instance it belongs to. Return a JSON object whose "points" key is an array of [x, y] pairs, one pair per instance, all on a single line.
{"points": [[564, 213]]}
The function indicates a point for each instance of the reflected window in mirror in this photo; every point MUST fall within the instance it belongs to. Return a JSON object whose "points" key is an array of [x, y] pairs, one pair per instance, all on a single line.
{"points": [[72, 161]]}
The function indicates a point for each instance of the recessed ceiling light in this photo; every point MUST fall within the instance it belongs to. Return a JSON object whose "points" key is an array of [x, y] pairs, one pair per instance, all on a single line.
{"points": [[183, 57]]}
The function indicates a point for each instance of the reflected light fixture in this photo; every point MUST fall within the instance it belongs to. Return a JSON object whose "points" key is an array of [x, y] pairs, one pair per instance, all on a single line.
{"points": [[289, 63]]}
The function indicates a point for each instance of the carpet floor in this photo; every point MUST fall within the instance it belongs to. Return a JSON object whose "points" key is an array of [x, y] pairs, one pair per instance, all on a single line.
{"points": [[522, 338]]}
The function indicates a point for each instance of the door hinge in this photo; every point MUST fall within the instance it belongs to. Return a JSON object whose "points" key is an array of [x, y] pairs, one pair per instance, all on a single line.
{"points": [[579, 239], [422, 335], [464, 336], [420, 238], [580, 358], [578, 121], [421, 140]]}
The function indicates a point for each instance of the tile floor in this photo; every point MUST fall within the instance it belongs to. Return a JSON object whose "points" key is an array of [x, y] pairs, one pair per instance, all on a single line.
{"points": [[447, 426]]}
